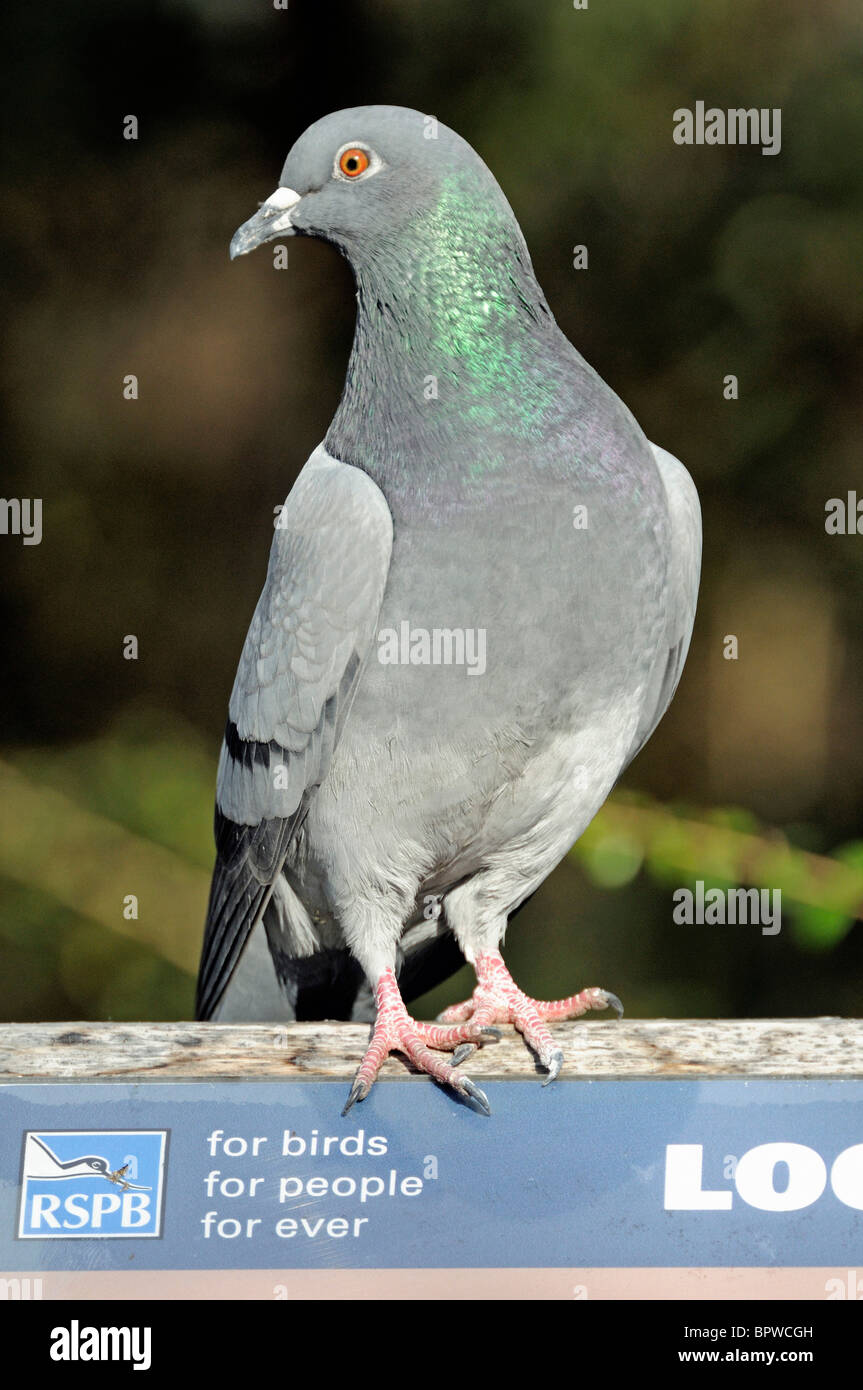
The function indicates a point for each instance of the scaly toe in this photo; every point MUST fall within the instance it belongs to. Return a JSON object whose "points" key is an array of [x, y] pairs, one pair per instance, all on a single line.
{"points": [[457, 1013]]}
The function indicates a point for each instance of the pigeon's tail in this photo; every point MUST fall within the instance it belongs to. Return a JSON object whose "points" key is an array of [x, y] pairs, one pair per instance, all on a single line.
{"points": [[249, 860], [235, 904]]}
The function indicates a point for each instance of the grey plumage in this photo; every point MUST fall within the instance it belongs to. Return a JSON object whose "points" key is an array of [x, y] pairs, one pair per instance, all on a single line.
{"points": [[374, 812], [298, 671]]}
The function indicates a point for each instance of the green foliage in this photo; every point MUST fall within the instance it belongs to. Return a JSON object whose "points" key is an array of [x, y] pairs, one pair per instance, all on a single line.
{"points": [[726, 848], [149, 771], [817, 928]]}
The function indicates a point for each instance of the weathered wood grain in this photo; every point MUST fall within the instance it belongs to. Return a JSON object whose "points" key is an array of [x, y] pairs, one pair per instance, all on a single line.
{"points": [[815, 1047]]}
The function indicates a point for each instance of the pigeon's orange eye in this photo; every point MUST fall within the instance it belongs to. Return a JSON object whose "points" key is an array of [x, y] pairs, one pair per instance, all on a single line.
{"points": [[353, 162]]}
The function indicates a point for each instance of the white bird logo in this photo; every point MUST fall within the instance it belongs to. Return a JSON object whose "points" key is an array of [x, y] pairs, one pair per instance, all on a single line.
{"points": [[42, 1162]]}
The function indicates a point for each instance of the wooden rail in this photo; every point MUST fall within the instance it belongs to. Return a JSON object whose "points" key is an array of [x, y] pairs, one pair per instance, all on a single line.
{"points": [[808, 1047]]}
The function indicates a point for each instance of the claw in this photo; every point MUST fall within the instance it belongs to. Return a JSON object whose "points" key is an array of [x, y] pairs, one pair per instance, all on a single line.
{"points": [[612, 1002], [493, 1033], [462, 1051], [477, 1096], [555, 1062], [358, 1092]]}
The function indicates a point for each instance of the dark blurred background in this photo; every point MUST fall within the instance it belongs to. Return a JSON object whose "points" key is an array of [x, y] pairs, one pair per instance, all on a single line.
{"points": [[158, 512]]}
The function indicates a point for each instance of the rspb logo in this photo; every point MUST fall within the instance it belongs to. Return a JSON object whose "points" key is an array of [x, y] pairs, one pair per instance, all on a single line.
{"points": [[101, 1183]]}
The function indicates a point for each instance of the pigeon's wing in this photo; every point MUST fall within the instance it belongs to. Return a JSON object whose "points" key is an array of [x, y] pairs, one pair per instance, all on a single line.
{"points": [[684, 569], [313, 626]]}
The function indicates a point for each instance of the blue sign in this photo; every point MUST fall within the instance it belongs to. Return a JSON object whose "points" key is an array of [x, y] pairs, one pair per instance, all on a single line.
{"points": [[628, 1177]]}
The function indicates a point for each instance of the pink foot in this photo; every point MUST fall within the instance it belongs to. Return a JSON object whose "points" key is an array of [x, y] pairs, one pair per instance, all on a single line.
{"points": [[396, 1031], [498, 999]]}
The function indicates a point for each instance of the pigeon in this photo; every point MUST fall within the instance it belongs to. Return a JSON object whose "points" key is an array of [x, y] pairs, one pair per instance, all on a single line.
{"points": [[478, 605]]}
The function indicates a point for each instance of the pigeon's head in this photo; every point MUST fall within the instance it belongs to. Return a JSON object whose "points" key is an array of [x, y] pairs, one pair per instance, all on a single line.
{"points": [[364, 176]]}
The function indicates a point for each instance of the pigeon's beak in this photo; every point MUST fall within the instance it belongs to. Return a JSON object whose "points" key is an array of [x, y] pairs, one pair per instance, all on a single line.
{"points": [[272, 219]]}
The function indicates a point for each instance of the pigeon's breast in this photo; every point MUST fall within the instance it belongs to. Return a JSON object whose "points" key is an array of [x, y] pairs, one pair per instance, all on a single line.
{"points": [[519, 624], [528, 594]]}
